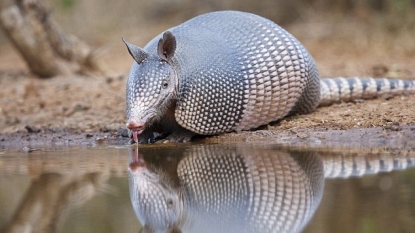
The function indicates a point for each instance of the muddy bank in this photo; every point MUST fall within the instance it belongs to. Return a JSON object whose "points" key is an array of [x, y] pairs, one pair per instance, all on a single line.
{"points": [[401, 137], [395, 137], [88, 111]]}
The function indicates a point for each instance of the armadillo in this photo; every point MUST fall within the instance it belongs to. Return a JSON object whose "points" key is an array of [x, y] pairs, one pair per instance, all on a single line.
{"points": [[230, 71], [233, 188]]}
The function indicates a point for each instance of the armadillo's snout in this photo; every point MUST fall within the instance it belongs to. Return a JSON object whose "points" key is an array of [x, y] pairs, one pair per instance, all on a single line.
{"points": [[136, 127]]}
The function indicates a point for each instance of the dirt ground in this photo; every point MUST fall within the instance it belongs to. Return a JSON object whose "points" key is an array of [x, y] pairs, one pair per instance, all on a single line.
{"points": [[80, 110]]}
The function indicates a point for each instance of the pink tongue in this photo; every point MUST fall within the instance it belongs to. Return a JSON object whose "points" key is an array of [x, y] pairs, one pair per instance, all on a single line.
{"points": [[135, 136]]}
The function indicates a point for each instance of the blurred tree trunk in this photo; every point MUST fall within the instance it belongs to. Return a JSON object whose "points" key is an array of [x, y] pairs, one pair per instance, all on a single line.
{"points": [[49, 199], [46, 48]]}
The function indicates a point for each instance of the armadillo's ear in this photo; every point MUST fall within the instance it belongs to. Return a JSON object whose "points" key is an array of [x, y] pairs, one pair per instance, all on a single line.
{"points": [[136, 52], [166, 46]]}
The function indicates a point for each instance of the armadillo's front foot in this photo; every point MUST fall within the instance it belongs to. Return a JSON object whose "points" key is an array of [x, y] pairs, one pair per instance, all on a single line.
{"points": [[180, 135], [145, 137]]}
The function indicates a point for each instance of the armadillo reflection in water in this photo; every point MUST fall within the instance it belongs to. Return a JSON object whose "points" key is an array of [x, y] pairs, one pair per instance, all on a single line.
{"points": [[237, 188], [225, 189]]}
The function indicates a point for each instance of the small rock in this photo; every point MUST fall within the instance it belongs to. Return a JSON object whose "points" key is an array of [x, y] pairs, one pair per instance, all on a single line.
{"points": [[387, 119], [394, 127], [109, 80], [27, 149], [59, 130], [379, 70], [105, 130], [359, 101], [302, 135], [32, 129], [81, 107], [122, 132], [100, 140]]}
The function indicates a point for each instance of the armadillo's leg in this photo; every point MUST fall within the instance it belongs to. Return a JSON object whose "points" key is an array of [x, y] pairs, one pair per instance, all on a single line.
{"points": [[179, 135]]}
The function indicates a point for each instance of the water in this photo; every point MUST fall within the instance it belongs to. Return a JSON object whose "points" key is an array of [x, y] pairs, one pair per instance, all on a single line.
{"points": [[207, 188]]}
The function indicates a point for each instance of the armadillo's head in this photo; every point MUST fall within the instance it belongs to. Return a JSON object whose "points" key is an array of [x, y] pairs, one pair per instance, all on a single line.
{"points": [[152, 84], [155, 201]]}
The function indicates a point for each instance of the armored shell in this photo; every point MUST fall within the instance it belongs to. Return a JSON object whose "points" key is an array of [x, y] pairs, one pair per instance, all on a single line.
{"points": [[238, 71]]}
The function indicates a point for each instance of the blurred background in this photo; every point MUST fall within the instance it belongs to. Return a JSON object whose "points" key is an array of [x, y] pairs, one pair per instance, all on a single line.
{"points": [[345, 37], [335, 32]]}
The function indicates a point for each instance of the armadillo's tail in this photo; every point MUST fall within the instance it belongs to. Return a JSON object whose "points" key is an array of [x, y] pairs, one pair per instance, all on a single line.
{"points": [[334, 90]]}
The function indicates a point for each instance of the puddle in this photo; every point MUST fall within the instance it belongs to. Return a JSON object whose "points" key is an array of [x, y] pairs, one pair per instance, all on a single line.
{"points": [[207, 188]]}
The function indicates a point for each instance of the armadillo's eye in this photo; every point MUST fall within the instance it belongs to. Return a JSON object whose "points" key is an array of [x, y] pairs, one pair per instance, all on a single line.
{"points": [[164, 84], [170, 203]]}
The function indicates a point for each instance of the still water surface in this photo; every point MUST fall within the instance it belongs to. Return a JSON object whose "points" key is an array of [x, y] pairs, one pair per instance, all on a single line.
{"points": [[207, 188]]}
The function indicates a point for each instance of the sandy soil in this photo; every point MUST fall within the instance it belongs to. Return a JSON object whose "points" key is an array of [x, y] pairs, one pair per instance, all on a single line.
{"points": [[74, 110]]}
